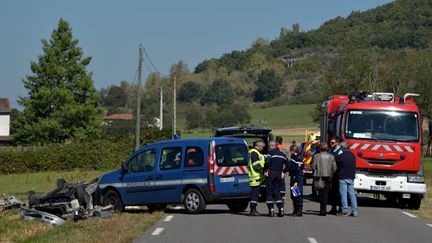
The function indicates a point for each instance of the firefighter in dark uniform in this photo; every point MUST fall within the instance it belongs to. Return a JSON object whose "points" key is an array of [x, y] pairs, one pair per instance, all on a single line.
{"points": [[295, 168], [256, 174], [273, 170]]}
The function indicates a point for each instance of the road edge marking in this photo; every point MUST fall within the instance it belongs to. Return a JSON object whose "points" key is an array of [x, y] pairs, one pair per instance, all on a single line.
{"points": [[168, 218], [157, 231], [312, 240], [409, 215], [430, 225]]}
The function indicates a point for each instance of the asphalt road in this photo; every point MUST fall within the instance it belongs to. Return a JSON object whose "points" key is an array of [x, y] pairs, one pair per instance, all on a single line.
{"points": [[375, 223]]}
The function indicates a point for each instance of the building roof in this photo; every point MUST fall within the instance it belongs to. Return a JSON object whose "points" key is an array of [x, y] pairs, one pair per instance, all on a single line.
{"points": [[127, 117], [4, 105]]}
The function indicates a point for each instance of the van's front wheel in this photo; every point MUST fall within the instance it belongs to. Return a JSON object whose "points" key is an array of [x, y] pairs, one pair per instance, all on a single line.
{"points": [[112, 198], [194, 201]]}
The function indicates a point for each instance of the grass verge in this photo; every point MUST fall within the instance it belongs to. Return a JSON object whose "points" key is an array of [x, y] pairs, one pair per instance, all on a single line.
{"points": [[123, 227], [425, 210]]}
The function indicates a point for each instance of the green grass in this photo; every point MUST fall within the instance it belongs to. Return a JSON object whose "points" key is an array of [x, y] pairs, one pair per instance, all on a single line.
{"points": [[425, 210], [20, 184], [197, 135], [123, 227], [285, 116]]}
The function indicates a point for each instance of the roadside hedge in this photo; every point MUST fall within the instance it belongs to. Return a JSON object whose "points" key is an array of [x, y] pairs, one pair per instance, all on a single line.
{"points": [[100, 154]]}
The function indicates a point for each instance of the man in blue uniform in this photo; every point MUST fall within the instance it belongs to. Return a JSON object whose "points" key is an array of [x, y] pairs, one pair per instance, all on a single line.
{"points": [[295, 169], [273, 170]]}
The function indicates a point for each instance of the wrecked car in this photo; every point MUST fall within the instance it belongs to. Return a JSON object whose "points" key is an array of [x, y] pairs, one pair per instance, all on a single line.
{"points": [[67, 201]]}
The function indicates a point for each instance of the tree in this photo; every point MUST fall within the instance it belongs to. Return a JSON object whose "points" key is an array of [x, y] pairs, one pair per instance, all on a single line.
{"points": [[62, 102], [116, 97], [268, 86], [189, 92], [220, 92], [194, 118]]}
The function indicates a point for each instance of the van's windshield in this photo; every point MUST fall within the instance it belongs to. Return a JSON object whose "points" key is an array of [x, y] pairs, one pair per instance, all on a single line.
{"points": [[231, 155], [382, 125]]}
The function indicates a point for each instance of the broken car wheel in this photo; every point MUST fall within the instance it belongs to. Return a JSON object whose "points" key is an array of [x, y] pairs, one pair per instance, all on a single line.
{"points": [[112, 198]]}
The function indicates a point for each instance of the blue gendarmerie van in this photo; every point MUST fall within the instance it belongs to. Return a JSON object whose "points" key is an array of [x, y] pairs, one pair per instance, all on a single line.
{"points": [[192, 172]]}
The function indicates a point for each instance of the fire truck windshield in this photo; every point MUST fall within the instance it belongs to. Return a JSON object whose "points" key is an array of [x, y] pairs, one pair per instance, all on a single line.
{"points": [[382, 125]]}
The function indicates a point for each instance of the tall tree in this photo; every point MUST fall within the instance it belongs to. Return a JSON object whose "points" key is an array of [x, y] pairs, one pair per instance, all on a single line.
{"points": [[268, 86], [62, 102]]}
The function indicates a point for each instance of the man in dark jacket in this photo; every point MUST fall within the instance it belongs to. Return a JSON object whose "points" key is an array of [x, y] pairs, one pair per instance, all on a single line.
{"points": [[273, 169], [334, 196], [295, 168], [346, 163]]}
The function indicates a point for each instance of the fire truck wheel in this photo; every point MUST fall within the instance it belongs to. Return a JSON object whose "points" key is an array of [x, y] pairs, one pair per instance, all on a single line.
{"points": [[414, 203]]}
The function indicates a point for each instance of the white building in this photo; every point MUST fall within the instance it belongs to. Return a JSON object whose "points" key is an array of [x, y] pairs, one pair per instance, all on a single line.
{"points": [[4, 117]]}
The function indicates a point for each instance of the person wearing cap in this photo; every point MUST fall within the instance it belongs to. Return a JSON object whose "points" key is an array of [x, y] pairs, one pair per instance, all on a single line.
{"points": [[273, 170], [256, 174]]}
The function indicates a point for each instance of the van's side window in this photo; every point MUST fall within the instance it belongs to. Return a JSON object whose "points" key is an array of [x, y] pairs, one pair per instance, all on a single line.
{"points": [[143, 162], [171, 158], [194, 157]]}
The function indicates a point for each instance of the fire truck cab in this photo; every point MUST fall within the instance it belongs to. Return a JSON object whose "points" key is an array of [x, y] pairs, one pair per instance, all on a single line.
{"points": [[384, 133]]}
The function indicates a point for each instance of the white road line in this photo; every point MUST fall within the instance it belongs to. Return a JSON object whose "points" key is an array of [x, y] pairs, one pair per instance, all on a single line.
{"points": [[312, 240], [430, 225], [409, 215], [157, 231], [177, 207], [168, 218]]}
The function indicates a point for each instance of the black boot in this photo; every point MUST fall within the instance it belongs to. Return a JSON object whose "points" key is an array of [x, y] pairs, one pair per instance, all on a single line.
{"points": [[253, 211], [271, 211], [281, 212], [299, 212]]}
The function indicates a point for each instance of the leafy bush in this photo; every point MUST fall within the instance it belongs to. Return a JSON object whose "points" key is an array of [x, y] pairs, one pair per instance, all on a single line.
{"points": [[100, 154]]}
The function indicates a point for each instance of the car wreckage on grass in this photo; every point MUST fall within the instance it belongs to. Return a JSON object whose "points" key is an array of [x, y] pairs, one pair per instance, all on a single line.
{"points": [[66, 202]]}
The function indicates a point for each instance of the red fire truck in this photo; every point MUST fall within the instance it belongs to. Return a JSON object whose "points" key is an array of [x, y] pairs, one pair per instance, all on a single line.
{"points": [[384, 132]]}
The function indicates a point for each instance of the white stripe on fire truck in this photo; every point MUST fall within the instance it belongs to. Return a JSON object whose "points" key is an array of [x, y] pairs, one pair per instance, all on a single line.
{"points": [[354, 146], [398, 148], [365, 146], [386, 147], [409, 149], [376, 147]]}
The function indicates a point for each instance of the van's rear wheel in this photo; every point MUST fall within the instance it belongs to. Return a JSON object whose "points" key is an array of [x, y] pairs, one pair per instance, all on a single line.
{"points": [[112, 198], [194, 201], [238, 206]]}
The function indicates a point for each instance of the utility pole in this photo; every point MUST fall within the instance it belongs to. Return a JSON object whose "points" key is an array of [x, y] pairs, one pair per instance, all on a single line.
{"points": [[161, 110], [175, 106], [138, 111]]}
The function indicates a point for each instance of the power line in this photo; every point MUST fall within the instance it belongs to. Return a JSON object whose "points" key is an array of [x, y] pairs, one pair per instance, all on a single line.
{"points": [[149, 59]]}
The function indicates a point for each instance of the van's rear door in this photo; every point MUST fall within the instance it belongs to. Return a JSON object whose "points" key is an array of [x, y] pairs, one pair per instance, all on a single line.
{"points": [[230, 171]]}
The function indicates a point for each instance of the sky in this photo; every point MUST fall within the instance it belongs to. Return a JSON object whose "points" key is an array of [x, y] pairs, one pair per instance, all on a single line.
{"points": [[110, 31]]}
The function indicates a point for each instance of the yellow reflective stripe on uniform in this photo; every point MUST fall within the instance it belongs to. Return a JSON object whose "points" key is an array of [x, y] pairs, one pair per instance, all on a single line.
{"points": [[255, 163]]}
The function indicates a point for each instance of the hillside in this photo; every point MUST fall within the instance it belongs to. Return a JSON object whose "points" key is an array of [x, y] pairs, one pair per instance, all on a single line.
{"points": [[403, 23], [386, 49]]}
